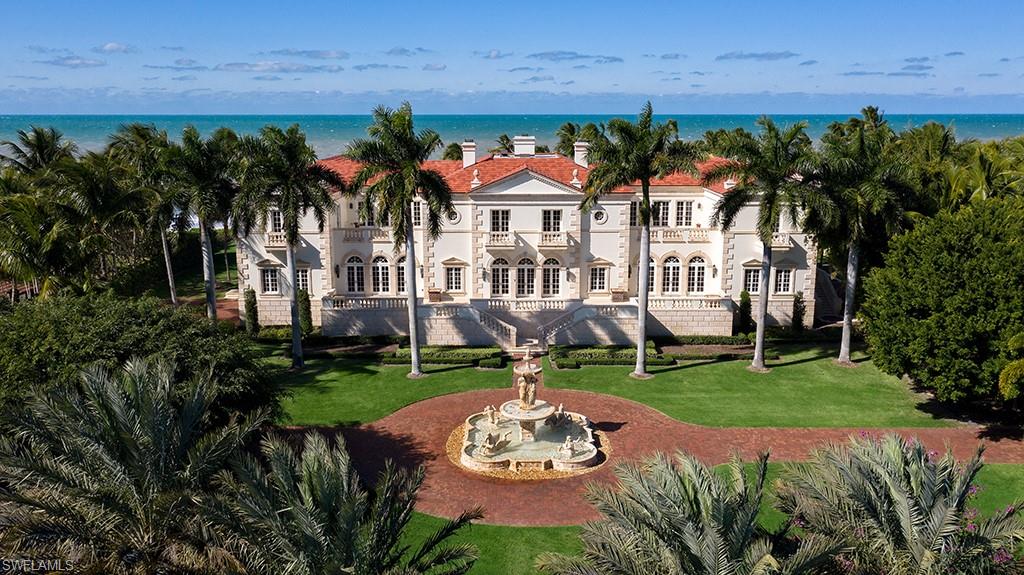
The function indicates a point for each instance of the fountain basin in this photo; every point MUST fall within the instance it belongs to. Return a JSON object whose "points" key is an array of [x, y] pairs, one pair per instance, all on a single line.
{"points": [[543, 451]]}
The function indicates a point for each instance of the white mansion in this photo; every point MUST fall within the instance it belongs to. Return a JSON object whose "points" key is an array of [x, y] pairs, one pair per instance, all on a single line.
{"points": [[518, 261]]}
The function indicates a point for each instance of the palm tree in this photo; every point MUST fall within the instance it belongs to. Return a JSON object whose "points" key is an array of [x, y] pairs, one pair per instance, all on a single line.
{"points": [[307, 513], [504, 145], [452, 151], [37, 149], [569, 133], [930, 150], [204, 171], [281, 173], [988, 173], [900, 508], [39, 244], [868, 185], [683, 517], [144, 149], [638, 152], [767, 170], [108, 476], [391, 177]]}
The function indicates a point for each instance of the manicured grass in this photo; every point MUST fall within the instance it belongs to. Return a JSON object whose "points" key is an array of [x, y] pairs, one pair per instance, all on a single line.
{"points": [[188, 277], [804, 389], [349, 391], [512, 550]]}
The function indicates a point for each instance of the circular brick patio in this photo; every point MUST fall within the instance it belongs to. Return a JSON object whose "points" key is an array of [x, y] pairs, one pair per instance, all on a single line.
{"points": [[416, 435]]}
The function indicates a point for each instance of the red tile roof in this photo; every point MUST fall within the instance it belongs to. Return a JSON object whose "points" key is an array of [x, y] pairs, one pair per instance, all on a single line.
{"points": [[490, 169]]}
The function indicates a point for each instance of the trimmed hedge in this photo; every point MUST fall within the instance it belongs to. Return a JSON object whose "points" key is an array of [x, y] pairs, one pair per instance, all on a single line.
{"points": [[566, 356], [492, 362], [739, 339], [443, 355]]}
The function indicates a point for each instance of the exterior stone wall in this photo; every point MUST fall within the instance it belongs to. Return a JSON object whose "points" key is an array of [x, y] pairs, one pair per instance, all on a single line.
{"points": [[277, 310], [433, 330], [666, 322], [599, 331]]}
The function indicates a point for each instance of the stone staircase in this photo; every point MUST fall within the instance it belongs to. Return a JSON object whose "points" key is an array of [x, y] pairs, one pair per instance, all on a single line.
{"points": [[547, 333]]}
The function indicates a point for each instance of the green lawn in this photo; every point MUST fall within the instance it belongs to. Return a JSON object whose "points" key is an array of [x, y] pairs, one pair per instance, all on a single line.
{"points": [[804, 389], [188, 276], [512, 550]]}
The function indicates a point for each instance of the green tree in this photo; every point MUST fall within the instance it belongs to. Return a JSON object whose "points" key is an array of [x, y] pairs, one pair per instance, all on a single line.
{"points": [[252, 313], [109, 476], [898, 508], [204, 171], [281, 173], [503, 145], [452, 151], [930, 150], [684, 517], [144, 150], [38, 244], [988, 173], [36, 150], [745, 320], [307, 513], [948, 300], [638, 152], [392, 176], [570, 132], [766, 170], [867, 188]]}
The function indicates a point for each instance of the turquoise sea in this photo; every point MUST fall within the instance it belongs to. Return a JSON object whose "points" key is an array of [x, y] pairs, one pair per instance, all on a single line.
{"points": [[329, 134]]}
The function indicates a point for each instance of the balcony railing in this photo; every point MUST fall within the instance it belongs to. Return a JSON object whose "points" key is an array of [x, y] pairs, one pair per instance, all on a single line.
{"points": [[275, 240], [552, 239], [526, 304], [332, 301], [781, 240], [692, 235], [365, 234], [501, 239], [686, 303]]}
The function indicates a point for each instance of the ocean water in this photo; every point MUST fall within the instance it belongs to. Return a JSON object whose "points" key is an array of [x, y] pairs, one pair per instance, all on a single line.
{"points": [[330, 134]]}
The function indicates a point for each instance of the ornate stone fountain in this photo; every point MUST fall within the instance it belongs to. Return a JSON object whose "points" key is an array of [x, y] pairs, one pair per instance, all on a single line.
{"points": [[527, 433]]}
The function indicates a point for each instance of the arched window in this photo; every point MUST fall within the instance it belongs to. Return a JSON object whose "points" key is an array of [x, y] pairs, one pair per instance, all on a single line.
{"points": [[400, 274], [381, 275], [526, 278], [499, 278], [551, 280], [670, 275], [695, 275], [354, 271], [650, 276]]}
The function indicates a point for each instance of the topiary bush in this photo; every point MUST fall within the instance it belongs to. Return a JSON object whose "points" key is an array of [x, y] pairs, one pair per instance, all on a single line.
{"points": [[252, 313], [948, 300], [746, 320], [799, 311], [305, 313]]}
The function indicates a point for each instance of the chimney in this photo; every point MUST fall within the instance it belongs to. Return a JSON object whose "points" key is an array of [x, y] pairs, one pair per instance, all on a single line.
{"points": [[579, 153], [468, 153], [524, 145]]}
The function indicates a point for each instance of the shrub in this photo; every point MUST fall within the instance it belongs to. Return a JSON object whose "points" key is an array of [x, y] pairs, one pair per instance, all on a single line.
{"points": [[1011, 380], [739, 339], [44, 343], [305, 314], [607, 355], [799, 310], [945, 305], [746, 322], [492, 362], [445, 355], [252, 313]]}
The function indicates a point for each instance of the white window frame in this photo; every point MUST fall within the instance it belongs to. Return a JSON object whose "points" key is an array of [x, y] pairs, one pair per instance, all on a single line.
{"points": [[380, 275], [453, 279], [599, 279], [302, 279], [696, 275], [276, 221], [400, 284], [671, 270], [270, 281], [500, 278], [684, 214], [355, 275], [417, 213], [752, 280], [786, 273], [651, 275], [526, 278], [659, 214], [551, 220], [634, 214], [551, 280], [500, 220]]}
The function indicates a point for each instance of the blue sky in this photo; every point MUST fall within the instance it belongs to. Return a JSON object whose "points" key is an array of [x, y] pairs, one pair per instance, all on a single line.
{"points": [[504, 56]]}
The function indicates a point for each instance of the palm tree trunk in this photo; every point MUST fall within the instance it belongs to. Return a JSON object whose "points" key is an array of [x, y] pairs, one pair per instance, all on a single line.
{"points": [[852, 265], [208, 277], [167, 262], [643, 286], [293, 303], [762, 304], [410, 289], [227, 242]]}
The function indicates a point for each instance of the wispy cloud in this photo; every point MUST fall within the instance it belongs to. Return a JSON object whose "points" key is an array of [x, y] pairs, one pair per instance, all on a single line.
{"points": [[910, 74], [115, 48], [435, 67], [24, 77], [150, 78], [46, 49], [364, 67], [72, 61], [571, 55], [808, 63], [917, 59], [537, 79], [699, 73], [406, 52], [581, 67], [917, 67], [989, 75], [758, 56], [524, 69], [267, 78], [953, 54], [567, 83], [173, 48], [672, 56], [186, 78], [180, 65], [494, 54], [672, 79], [313, 54], [278, 68], [861, 73], [696, 85]]}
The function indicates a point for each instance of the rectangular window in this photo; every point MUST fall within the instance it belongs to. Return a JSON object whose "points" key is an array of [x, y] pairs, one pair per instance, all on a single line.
{"points": [[633, 217], [381, 277], [384, 219], [684, 214], [268, 278], [453, 279], [355, 278], [659, 214], [499, 281], [368, 221], [551, 280], [783, 281], [400, 277], [598, 279], [777, 224], [499, 220], [302, 279], [276, 223], [551, 220], [650, 278], [526, 281], [752, 281], [417, 214]]}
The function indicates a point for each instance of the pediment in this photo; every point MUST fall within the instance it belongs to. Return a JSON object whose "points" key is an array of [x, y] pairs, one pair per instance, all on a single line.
{"points": [[269, 263], [453, 261], [526, 183]]}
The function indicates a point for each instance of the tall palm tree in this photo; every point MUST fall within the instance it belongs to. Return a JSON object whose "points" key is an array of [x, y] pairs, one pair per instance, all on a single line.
{"points": [[868, 185], [767, 169], [109, 476], [503, 145], [308, 514], [930, 150], [570, 132], [144, 149], [39, 244], [680, 516], [204, 171], [37, 149], [987, 173], [280, 172], [638, 153], [392, 176], [452, 151], [899, 508]]}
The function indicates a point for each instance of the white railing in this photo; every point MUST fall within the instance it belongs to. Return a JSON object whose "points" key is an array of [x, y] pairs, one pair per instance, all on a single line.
{"points": [[546, 332], [552, 239], [780, 240], [693, 235], [365, 234], [332, 301], [500, 239], [687, 303], [504, 333], [275, 240], [526, 304]]}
